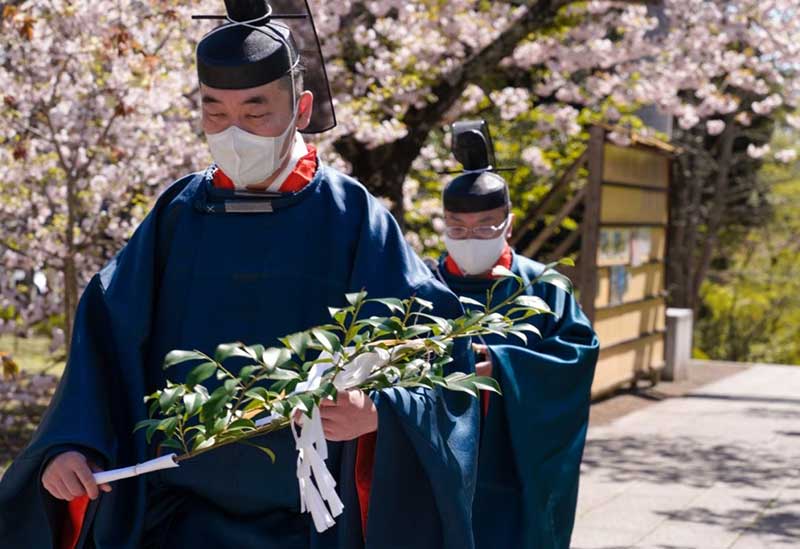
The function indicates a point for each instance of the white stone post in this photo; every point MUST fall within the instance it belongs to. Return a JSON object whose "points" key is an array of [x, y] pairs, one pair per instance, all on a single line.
{"points": [[678, 344]]}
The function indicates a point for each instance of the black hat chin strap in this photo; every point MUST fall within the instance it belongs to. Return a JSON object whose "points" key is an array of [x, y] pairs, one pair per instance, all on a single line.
{"points": [[479, 170]]}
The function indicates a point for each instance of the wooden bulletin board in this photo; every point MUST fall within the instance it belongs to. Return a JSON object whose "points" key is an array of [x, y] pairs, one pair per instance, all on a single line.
{"points": [[621, 265]]}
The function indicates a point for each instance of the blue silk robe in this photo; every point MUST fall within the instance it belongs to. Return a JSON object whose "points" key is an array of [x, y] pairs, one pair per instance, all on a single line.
{"points": [[209, 266]]}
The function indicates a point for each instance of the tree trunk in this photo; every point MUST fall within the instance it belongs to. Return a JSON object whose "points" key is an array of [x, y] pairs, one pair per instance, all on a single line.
{"points": [[696, 184], [383, 169], [69, 269], [70, 298], [695, 225], [721, 186], [678, 256]]}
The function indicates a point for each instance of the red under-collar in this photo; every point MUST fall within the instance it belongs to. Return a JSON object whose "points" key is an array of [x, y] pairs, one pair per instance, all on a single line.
{"points": [[301, 176], [505, 261]]}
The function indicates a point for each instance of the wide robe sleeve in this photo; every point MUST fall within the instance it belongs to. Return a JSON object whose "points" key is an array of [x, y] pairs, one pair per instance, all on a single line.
{"points": [[425, 454], [98, 399], [546, 395]]}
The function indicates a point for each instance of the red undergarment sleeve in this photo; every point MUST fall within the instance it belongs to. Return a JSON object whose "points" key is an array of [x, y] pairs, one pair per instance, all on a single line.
{"points": [[73, 522], [485, 402], [365, 462]]}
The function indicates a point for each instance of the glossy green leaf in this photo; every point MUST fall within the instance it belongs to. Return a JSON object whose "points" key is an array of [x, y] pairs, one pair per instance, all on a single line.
{"points": [[203, 443], [393, 304], [259, 393], [192, 403], [172, 444], [528, 328], [201, 373], [146, 423], [255, 404], [254, 351], [424, 303], [339, 315], [168, 425], [229, 350], [486, 383], [355, 298], [264, 449], [275, 357], [328, 340], [151, 430], [463, 386], [469, 301], [284, 385], [154, 406], [241, 424], [247, 372], [170, 396], [298, 343], [414, 331], [532, 302], [442, 323], [556, 279], [280, 373], [178, 357], [328, 389]]}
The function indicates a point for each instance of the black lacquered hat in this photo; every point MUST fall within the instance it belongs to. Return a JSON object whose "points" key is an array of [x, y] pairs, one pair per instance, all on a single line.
{"points": [[262, 41], [477, 188]]}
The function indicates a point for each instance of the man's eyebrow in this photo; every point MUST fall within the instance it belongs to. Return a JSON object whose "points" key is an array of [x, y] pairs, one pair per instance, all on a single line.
{"points": [[487, 219], [209, 99], [256, 100]]}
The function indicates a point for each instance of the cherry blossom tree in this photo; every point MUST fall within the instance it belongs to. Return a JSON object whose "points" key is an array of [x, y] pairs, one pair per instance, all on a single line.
{"points": [[716, 66], [100, 105], [736, 77], [94, 123]]}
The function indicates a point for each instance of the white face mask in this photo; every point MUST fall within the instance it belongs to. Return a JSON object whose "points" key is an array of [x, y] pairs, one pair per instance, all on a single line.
{"points": [[246, 158], [476, 256]]}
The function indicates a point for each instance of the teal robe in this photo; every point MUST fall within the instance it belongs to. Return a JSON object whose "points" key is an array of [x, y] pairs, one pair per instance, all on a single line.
{"points": [[532, 437]]}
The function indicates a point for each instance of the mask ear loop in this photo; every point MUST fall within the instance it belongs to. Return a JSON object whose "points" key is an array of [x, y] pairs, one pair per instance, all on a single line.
{"points": [[292, 66]]}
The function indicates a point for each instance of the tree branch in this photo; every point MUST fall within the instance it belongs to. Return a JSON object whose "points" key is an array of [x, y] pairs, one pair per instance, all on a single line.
{"points": [[384, 168]]}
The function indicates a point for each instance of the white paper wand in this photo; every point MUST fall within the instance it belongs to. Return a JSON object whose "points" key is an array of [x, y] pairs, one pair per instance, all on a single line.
{"points": [[163, 462]]}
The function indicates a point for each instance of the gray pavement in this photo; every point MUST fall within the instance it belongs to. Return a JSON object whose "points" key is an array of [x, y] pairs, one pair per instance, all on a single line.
{"points": [[718, 468]]}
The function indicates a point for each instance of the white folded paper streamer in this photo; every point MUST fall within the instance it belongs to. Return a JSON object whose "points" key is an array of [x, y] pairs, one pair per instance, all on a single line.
{"points": [[163, 462], [318, 496]]}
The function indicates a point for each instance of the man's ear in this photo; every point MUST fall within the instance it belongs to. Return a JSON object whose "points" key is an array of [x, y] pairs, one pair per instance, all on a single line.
{"points": [[305, 108], [510, 229]]}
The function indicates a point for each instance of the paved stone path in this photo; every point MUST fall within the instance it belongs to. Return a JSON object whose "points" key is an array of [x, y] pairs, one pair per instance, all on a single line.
{"points": [[716, 469]]}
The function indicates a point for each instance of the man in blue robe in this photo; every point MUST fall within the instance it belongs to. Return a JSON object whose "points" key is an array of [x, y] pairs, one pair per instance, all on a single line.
{"points": [[256, 247], [532, 436]]}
